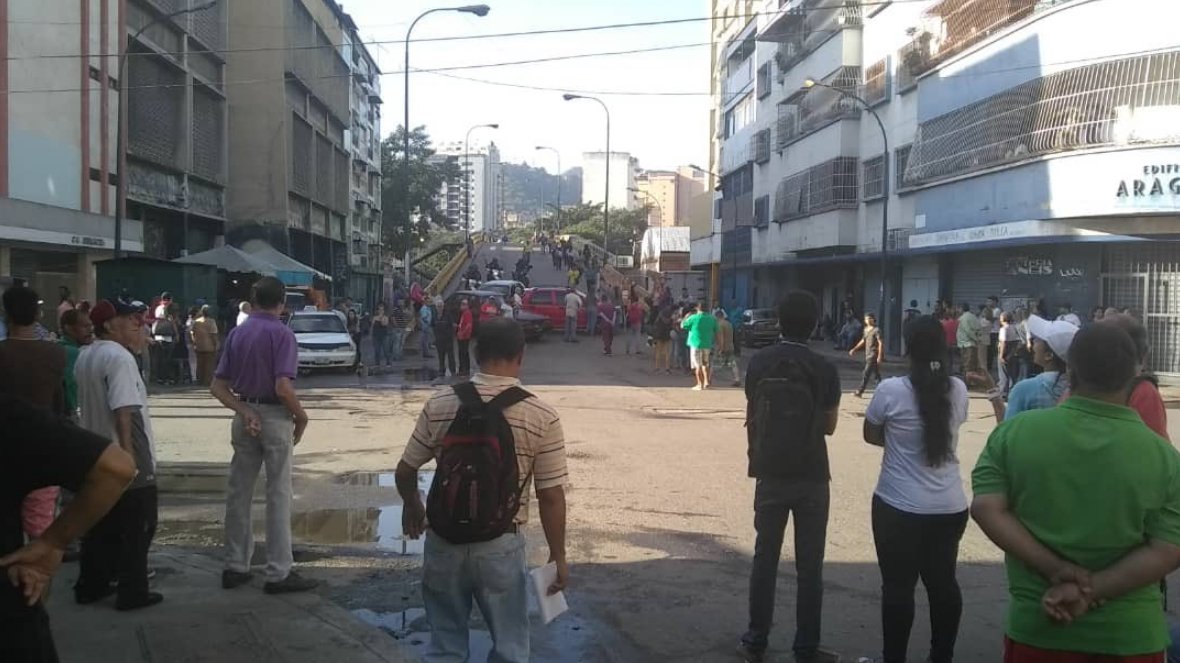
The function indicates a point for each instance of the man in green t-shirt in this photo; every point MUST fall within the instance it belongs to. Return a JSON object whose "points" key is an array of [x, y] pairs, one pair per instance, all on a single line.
{"points": [[76, 332], [701, 328], [1085, 501]]}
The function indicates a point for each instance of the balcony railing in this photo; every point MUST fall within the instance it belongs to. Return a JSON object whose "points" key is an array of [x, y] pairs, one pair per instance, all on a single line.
{"points": [[822, 105]]}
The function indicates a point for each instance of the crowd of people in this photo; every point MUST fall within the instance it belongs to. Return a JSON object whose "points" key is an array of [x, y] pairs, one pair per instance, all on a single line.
{"points": [[1079, 484]]}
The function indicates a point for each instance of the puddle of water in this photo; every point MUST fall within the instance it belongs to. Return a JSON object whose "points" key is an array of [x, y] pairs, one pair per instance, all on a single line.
{"points": [[563, 641], [380, 525]]}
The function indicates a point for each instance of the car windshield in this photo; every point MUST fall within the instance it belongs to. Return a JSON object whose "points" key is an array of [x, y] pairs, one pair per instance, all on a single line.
{"points": [[762, 314], [317, 324]]}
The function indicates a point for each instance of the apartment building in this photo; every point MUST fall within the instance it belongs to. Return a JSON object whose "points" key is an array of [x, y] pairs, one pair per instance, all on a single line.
{"points": [[58, 161], [176, 121], [363, 139], [624, 173], [290, 82], [1033, 151], [670, 194], [473, 199]]}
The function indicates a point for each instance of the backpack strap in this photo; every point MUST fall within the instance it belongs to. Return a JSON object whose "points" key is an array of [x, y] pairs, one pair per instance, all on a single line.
{"points": [[509, 397], [468, 395]]}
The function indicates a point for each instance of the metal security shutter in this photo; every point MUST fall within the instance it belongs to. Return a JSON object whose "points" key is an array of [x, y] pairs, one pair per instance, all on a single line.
{"points": [[977, 276]]}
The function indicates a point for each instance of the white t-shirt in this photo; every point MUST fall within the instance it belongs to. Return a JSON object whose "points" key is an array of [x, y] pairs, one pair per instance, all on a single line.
{"points": [[907, 481], [572, 303], [108, 379], [242, 318]]}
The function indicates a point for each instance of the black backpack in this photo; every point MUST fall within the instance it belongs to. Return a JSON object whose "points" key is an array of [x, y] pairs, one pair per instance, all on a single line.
{"points": [[476, 490], [783, 421]]}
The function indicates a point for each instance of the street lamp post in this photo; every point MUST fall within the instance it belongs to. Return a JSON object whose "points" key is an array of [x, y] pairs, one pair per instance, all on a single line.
{"points": [[810, 83], [120, 181], [606, 195], [478, 10], [467, 179], [560, 177], [659, 208]]}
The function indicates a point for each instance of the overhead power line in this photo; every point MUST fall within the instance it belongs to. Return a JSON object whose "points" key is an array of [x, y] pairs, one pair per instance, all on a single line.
{"points": [[446, 71]]}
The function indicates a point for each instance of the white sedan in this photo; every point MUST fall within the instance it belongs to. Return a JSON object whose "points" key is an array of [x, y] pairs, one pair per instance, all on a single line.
{"points": [[323, 340]]}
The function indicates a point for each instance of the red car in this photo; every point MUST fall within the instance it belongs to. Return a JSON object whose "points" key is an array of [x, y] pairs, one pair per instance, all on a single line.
{"points": [[550, 302]]}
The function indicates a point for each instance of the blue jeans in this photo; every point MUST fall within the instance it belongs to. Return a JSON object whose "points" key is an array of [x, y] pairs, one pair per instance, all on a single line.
{"points": [[1174, 650], [591, 320], [381, 349], [493, 574], [397, 340], [571, 328], [424, 334]]}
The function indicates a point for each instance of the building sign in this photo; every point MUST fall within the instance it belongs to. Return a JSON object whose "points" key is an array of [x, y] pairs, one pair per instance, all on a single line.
{"points": [[92, 242], [1026, 266], [998, 232], [1155, 181], [132, 239]]}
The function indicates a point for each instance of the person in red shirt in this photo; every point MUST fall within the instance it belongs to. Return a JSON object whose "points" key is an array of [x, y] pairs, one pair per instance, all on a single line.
{"points": [[635, 312], [463, 336], [950, 327], [1145, 394]]}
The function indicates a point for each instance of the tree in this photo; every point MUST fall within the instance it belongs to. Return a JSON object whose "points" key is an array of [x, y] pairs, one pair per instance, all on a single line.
{"points": [[626, 226], [426, 176]]}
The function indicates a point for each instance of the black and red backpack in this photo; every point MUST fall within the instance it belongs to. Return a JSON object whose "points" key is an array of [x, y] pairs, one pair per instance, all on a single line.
{"points": [[476, 490]]}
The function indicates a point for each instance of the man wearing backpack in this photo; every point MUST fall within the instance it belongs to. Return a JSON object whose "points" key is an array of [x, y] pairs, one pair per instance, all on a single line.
{"points": [[491, 439], [793, 399]]}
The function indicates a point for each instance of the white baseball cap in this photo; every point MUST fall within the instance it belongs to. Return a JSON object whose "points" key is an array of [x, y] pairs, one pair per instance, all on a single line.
{"points": [[1058, 334]]}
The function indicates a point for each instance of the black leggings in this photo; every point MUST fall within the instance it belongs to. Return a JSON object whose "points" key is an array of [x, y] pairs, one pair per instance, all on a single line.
{"points": [[910, 546]]}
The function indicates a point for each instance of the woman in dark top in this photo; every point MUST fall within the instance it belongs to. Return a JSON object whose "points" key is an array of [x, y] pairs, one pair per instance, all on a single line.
{"points": [[353, 323], [380, 332]]}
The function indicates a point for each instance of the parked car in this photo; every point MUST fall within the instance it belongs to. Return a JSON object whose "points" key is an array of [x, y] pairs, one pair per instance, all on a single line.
{"points": [[759, 326], [535, 325], [550, 302], [502, 287], [323, 340]]}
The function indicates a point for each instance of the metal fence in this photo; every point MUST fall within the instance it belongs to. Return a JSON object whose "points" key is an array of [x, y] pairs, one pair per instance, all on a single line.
{"points": [[1126, 101], [1145, 277]]}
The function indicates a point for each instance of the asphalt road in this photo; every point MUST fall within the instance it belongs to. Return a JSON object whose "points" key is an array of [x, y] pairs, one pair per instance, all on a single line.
{"points": [[660, 519]]}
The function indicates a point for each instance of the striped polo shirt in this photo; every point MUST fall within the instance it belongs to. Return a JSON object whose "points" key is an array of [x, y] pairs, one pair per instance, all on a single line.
{"points": [[536, 429]]}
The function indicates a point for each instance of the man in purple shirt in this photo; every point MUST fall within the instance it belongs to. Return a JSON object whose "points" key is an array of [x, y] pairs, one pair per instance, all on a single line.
{"points": [[256, 379]]}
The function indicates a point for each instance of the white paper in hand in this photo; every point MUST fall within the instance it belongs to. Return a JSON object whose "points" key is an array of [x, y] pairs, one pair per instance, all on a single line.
{"points": [[550, 606]]}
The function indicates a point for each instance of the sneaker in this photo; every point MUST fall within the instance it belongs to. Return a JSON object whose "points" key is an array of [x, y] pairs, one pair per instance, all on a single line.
{"points": [[737, 383], [697, 388], [234, 579], [147, 601], [85, 597], [749, 654], [291, 584], [820, 656], [858, 393]]}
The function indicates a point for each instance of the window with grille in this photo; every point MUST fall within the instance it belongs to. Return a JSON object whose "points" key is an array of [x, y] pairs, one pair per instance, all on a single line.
{"points": [[155, 100], [1117, 102], [787, 125], [822, 105], [790, 199], [874, 177], [208, 134], [208, 25], [323, 170], [764, 86], [300, 156], [761, 149], [833, 185], [762, 211], [877, 81], [901, 161]]}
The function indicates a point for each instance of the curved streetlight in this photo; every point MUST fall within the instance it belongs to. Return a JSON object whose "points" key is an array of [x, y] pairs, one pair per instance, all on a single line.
{"points": [[467, 179], [560, 177], [659, 208], [120, 158], [478, 10], [606, 195], [812, 83]]}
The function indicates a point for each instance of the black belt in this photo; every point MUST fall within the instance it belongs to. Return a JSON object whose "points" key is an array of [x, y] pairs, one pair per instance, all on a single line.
{"points": [[268, 400]]}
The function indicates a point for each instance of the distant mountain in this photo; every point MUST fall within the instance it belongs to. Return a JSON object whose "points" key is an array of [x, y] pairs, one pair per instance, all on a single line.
{"points": [[527, 188]]}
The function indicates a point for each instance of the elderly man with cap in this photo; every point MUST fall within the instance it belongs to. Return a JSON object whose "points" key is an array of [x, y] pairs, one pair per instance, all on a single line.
{"points": [[113, 402]]}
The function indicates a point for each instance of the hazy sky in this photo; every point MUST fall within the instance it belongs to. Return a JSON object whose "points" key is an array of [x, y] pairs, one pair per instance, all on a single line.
{"points": [[662, 131]]}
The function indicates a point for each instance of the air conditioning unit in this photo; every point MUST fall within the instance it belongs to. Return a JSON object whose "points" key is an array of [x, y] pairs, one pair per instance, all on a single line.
{"points": [[624, 262]]}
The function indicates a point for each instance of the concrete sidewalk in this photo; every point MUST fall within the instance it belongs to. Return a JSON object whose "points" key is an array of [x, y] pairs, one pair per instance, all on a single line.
{"points": [[198, 621]]}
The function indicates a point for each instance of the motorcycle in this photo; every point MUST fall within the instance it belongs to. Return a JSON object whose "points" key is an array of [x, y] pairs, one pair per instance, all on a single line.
{"points": [[493, 274]]}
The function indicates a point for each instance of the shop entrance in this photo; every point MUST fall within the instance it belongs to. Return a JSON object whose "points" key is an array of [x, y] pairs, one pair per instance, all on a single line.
{"points": [[1146, 279]]}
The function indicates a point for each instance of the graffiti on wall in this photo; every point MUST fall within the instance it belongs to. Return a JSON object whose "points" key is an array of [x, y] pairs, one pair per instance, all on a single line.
{"points": [[1029, 266]]}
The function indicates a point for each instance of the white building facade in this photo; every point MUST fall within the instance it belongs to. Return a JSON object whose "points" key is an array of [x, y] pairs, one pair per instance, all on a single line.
{"points": [[363, 139], [1034, 155], [473, 201], [624, 169]]}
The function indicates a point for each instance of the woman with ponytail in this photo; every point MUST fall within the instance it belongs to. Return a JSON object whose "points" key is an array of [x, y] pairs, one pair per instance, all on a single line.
{"points": [[919, 508]]}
